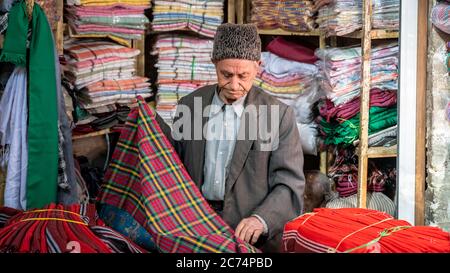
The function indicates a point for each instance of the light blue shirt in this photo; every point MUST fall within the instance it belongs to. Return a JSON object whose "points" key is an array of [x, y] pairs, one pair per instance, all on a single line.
{"points": [[222, 130]]}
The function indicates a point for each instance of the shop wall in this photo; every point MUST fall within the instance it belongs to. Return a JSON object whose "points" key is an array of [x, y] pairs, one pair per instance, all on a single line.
{"points": [[437, 193]]}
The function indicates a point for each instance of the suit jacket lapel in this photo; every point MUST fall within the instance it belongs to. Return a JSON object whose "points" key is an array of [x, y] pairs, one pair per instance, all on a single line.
{"points": [[242, 147], [199, 145]]}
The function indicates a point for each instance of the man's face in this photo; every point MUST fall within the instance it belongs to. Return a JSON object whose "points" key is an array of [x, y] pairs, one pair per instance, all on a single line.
{"points": [[235, 78]]}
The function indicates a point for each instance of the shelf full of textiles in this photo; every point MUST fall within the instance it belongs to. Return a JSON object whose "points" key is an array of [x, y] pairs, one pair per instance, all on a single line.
{"points": [[323, 17], [104, 63], [361, 106], [183, 42], [327, 97]]}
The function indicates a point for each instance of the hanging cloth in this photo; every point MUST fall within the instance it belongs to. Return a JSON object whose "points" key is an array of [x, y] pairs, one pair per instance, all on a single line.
{"points": [[13, 138], [43, 113]]}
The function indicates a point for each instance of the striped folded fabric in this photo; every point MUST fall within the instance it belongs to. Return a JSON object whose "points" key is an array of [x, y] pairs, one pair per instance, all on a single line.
{"points": [[200, 16], [184, 64], [341, 17], [147, 179], [355, 230], [60, 229], [138, 3], [375, 200], [288, 15], [92, 50]]}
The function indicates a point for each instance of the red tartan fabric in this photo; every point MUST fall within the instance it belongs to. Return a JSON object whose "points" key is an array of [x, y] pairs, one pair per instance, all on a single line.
{"points": [[356, 230], [147, 179], [59, 229]]}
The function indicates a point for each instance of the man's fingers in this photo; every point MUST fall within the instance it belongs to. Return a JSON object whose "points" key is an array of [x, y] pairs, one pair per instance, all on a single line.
{"points": [[249, 234], [244, 231], [256, 235], [238, 230]]}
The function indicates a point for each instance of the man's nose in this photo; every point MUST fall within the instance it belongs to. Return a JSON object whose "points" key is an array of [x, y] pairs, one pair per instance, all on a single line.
{"points": [[235, 84]]}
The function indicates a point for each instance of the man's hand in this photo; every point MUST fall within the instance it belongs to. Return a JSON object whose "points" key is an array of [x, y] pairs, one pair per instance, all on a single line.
{"points": [[249, 229]]}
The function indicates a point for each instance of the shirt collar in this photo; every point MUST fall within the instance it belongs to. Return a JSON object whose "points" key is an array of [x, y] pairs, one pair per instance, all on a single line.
{"points": [[217, 104]]}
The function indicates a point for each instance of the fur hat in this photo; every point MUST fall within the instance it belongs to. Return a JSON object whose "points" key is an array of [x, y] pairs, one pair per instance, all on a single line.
{"points": [[237, 41]]}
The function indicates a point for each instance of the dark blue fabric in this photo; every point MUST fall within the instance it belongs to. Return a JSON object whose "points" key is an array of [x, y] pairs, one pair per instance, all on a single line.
{"points": [[124, 223]]}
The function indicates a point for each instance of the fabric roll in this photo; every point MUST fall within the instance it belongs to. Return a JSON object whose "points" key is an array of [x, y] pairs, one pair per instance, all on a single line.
{"points": [[356, 230]]}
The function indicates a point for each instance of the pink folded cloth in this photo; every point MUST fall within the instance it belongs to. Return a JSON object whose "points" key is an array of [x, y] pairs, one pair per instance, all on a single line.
{"points": [[378, 97]]}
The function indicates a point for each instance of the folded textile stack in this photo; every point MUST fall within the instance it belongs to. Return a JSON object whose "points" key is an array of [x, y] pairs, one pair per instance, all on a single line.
{"points": [[355, 230], [119, 20], [287, 15], [184, 64], [101, 76], [341, 17], [386, 14], [201, 16], [293, 83]]}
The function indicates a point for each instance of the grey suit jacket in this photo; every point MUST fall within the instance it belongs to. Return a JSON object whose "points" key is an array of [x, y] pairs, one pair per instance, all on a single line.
{"points": [[267, 183]]}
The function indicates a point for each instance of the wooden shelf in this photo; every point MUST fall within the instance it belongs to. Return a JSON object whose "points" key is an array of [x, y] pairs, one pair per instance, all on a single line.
{"points": [[1, 41], [380, 152], [93, 134], [375, 34], [287, 33]]}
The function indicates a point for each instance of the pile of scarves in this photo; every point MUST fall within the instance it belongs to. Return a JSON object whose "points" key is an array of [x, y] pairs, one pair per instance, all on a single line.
{"points": [[341, 17], [201, 16], [60, 229], [292, 80], [287, 15], [101, 76], [354, 230], [184, 64]]}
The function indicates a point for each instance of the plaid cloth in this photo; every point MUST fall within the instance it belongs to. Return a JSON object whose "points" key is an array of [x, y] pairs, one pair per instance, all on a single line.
{"points": [[147, 179]]}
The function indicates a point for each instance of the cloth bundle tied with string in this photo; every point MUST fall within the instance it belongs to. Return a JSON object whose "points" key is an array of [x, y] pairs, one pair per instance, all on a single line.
{"points": [[356, 230]]}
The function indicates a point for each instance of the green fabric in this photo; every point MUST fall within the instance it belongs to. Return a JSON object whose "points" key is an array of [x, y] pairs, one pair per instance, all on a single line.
{"points": [[348, 131], [14, 46], [43, 112]]}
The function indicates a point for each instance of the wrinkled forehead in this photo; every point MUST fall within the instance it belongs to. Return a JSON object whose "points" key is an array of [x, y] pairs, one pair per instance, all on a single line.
{"points": [[237, 65]]}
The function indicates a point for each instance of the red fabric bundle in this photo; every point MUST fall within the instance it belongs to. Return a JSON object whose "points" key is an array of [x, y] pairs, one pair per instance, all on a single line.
{"points": [[291, 51], [356, 230], [57, 229]]}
